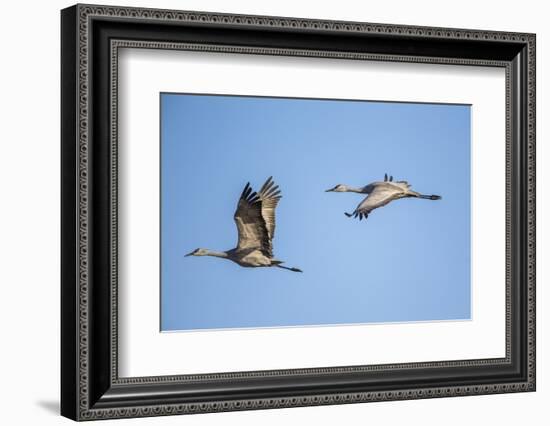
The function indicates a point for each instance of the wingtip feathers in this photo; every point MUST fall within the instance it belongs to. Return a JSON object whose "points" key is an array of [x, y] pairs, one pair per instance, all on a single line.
{"points": [[268, 191]]}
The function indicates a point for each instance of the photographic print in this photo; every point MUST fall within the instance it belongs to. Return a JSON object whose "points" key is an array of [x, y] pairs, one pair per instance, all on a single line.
{"points": [[256, 230]]}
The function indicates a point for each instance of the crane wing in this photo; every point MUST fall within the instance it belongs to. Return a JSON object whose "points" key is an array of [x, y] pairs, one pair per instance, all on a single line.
{"points": [[255, 217], [402, 184], [379, 197], [270, 196]]}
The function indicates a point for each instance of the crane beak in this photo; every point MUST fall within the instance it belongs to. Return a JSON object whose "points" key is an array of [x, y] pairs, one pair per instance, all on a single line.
{"points": [[189, 254], [329, 190]]}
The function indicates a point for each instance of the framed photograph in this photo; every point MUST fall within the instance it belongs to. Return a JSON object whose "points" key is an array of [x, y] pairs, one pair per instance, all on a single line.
{"points": [[263, 212]]}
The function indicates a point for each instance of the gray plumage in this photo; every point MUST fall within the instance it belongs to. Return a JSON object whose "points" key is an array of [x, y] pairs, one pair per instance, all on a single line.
{"points": [[255, 220], [380, 194]]}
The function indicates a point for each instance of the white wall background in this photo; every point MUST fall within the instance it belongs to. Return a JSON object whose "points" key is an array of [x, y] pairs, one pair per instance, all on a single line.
{"points": [[29, 212]]}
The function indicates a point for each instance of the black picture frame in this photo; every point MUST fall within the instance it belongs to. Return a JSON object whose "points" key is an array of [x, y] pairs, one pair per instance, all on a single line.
{"points": [[90, 386]]}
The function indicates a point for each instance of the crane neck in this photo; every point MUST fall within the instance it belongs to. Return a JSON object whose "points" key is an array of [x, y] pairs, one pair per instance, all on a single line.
{"points": [[213, 253], [358, 190]]}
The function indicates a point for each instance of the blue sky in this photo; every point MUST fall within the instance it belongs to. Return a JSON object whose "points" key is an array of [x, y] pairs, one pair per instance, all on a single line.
{"points": [[409, 261]]}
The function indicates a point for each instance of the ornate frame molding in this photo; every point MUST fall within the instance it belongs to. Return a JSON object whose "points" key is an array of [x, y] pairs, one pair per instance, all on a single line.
{"points": [[80, 19]]}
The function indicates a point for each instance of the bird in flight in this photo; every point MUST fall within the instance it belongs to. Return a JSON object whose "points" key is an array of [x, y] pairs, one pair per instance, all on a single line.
{"points": [[255, 219], [380, 194]]}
